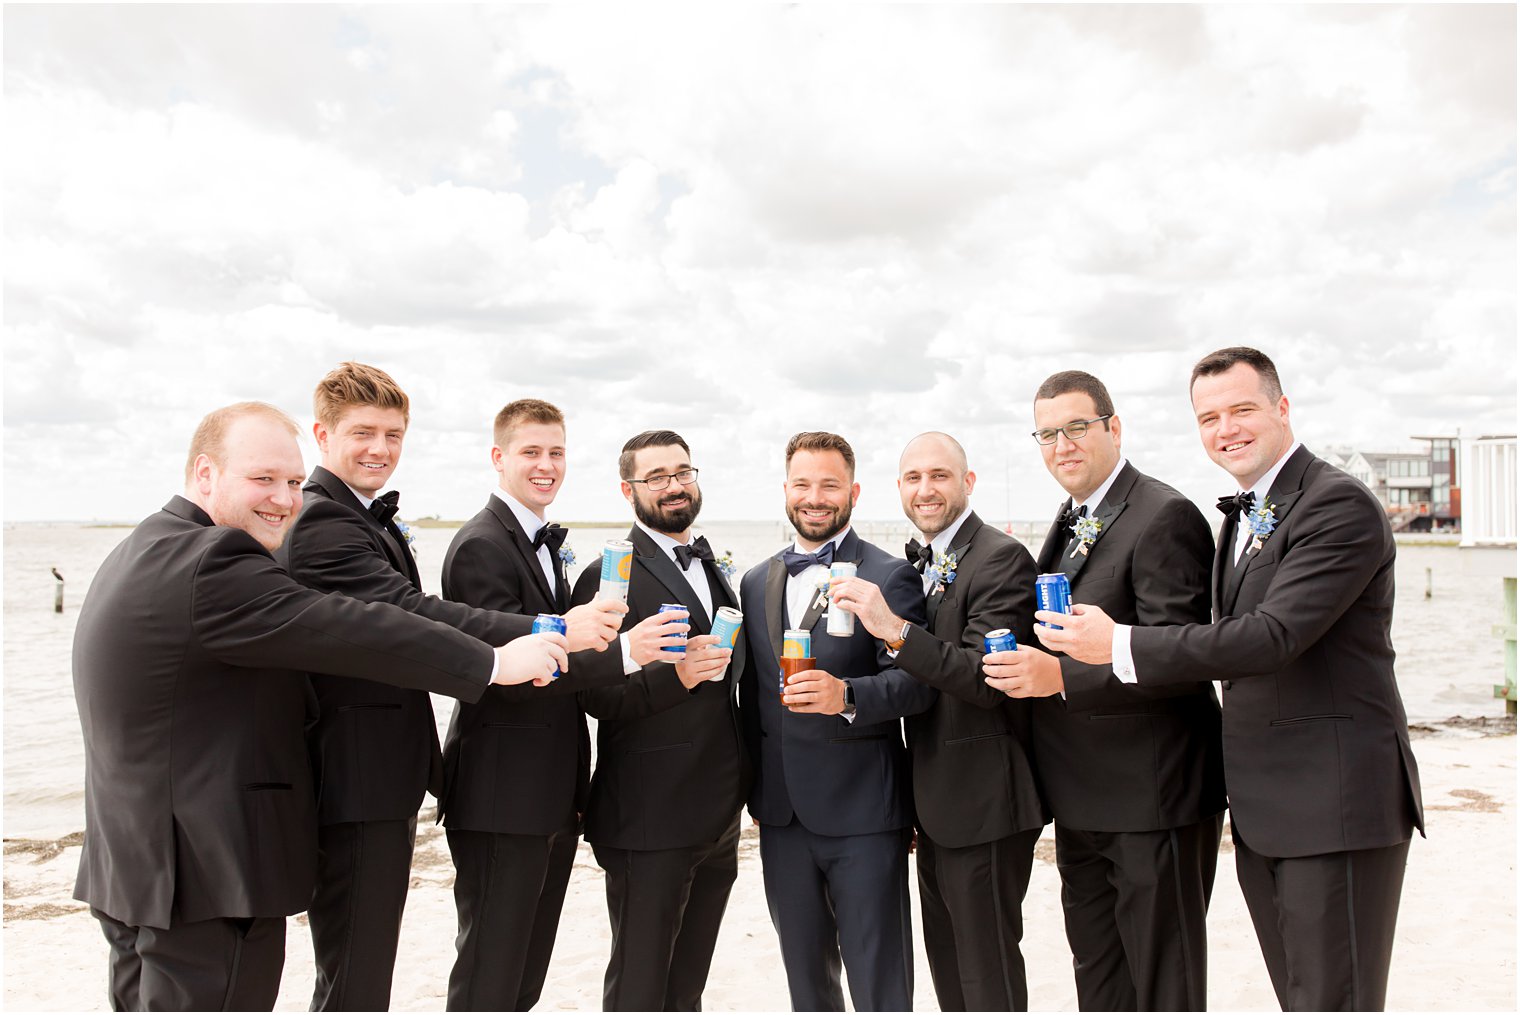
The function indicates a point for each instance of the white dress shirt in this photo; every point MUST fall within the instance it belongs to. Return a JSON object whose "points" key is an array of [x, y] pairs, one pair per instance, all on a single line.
{"points": [[696, 577], [941, 544], [802, 588], [1124, 660], [530, 523]]}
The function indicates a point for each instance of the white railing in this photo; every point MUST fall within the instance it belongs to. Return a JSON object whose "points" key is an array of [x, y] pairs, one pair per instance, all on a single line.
{"points": [[1488, 491]]}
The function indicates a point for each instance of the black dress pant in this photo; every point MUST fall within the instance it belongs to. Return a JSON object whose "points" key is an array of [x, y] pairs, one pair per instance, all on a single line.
{"points": [[1325, 923], [364, 869], [1136, 907], [972, 900], [210, 965], [666, 906], [509, 891], [841, 897]]}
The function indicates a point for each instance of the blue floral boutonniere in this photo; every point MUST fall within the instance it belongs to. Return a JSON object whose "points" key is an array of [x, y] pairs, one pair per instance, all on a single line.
{"points": [[1086, 530], [566, 555], [942, 571], [726, 564], [406, 533], [823, 595], [1262, 521]]}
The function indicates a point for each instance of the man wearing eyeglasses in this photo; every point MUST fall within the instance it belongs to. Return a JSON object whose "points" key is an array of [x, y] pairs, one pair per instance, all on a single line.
{"points": [[1324, 788], [1132, 775], [671, 774]]}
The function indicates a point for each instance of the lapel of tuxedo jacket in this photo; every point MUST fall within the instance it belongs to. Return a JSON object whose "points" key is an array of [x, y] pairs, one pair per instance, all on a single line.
{"points": [[324, 483], [963, 537], [524, 547], [1224, 564], [1112, 507], [1285, 492], [775, 603], [665, 571], [1055, 539]]}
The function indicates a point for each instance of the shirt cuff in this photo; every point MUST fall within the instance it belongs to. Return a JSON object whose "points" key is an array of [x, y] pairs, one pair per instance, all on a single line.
{"points": [[629, 666], [495, 667], [1124, 661]]}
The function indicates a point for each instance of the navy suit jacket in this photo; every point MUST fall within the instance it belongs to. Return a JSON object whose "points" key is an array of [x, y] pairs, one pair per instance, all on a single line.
{"points": [[835, 777]]}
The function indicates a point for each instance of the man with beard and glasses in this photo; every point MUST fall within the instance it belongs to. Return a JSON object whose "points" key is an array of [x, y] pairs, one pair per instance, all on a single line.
{"points": [[831, 790], [671, 772], [979, 809]]}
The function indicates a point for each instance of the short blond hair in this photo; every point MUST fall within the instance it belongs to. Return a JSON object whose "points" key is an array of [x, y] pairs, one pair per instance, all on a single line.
{"points": [[210, 437], [356, 384], [521, 413]]}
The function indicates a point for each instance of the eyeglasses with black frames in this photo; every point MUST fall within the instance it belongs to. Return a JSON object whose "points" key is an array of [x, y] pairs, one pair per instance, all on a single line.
{"points": [[1075, 430], [654, 484]]}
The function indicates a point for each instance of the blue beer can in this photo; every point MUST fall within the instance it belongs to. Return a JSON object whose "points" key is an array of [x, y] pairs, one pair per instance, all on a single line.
{"points": [[675, 650], [551, 623], [1053, 593], [1001, 640]]}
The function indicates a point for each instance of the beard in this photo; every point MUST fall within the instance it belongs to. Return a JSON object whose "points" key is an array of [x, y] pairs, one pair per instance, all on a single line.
{"points": [[818, 532], [670, 519], [932, 527]]}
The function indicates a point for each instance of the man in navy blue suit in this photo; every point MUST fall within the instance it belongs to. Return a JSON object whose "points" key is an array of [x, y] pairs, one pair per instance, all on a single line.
{"points": [[832, 787]]}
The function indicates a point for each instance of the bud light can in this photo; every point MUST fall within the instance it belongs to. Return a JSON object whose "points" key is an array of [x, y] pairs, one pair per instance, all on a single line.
{"points": [[617, 568], [1001, 640], [726, 626], [675, 650], [551, 623], [840, 623], [797, 644], [1053, 593]]}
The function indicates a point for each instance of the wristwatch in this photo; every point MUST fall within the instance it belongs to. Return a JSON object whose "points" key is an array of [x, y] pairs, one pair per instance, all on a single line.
{"points": [[848, 713], [896, 644]]}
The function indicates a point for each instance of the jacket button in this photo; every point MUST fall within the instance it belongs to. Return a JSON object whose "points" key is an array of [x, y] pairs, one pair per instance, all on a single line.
{"points": [[1225, 684]]}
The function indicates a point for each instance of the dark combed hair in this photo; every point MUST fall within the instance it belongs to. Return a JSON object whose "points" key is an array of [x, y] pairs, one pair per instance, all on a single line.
{"points": [[821, 440], [1222, 360], [647, 439], [1068, 381], [521, 413]]}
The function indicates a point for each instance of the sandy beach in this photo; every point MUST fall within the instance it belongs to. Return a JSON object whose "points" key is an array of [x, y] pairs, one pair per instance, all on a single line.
{"points": [[1456, 948]]}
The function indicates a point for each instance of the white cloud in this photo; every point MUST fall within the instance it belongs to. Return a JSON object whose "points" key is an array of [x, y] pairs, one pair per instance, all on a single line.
{"points": [[746, 221]]}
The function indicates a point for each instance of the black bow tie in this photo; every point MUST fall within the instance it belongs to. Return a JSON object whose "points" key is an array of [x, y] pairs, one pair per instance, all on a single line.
{"points": [[918, 555], [698, 549], [1069, 516], [796, 563], [1237, 504], [550, 535], [383, 507]]}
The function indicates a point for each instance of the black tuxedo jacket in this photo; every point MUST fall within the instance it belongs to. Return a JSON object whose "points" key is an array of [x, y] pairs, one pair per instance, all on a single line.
{"points": [[1316, 743], [374, 746], [670, 766], [836, 777], [1115, 757], [189, 662], [518, 760], [973, 781]]}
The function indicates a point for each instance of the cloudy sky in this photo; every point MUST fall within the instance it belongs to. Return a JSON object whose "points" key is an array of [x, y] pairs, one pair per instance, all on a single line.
{"points": [[743, 221]]}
